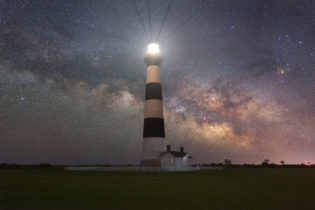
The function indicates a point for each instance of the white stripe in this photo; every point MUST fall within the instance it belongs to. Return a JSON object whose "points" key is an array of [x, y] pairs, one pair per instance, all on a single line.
{"points": [[153, 108], [153, 74]]}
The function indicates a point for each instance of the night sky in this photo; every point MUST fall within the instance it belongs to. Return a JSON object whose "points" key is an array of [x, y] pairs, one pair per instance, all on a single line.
{"points": [[238, 79]]}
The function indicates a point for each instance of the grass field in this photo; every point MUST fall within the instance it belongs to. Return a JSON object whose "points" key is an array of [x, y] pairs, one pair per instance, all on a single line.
{"points": [[228, 189]]}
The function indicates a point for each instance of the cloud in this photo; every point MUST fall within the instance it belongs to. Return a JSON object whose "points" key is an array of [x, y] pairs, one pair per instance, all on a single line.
{"points": [[74, 123], [222, 115]]}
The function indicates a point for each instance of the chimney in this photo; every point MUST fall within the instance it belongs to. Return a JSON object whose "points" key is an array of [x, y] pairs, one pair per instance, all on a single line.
{"points": [[168, 148], [182, 149]]}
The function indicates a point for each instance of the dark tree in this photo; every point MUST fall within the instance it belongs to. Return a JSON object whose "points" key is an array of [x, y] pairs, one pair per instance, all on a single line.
{"points": [[265, 162], [282, 162], [228, 162]]}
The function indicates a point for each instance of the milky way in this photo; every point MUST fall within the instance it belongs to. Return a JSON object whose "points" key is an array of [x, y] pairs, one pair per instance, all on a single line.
{"points": [[238, 79]]}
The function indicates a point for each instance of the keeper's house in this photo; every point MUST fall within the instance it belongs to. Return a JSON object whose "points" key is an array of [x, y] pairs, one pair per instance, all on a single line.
{"points": [[175, 160]]}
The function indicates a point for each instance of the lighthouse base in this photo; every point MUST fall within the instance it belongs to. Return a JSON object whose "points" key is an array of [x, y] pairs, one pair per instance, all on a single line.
{"points": [[151, 151]]}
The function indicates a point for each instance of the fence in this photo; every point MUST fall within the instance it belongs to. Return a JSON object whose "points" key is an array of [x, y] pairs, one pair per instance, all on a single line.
{"points": [[117, 168]]}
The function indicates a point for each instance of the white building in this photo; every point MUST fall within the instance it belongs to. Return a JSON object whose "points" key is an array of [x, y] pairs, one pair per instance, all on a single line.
{"points": [[175, 160]]}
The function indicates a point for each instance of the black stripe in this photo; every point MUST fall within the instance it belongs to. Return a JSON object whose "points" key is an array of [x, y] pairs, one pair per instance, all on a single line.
{"points": [[153, 127], [153, 91]]}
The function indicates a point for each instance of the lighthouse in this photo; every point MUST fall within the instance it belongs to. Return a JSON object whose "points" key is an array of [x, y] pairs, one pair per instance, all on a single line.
{"points": [[153, 127]]}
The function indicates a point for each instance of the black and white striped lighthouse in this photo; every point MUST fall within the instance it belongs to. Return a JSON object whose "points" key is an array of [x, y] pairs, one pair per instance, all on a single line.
{"points": [[153, 129]]}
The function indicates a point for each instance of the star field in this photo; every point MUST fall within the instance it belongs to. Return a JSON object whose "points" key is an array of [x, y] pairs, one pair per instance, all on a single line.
{"points": [[237, 77]]}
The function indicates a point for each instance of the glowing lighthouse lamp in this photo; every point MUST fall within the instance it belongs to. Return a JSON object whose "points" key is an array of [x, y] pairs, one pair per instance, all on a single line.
{"points": [[153, 49]]}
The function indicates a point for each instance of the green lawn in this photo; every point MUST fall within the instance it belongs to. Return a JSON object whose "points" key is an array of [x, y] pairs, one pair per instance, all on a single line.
{"points": [[228, 189]]}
